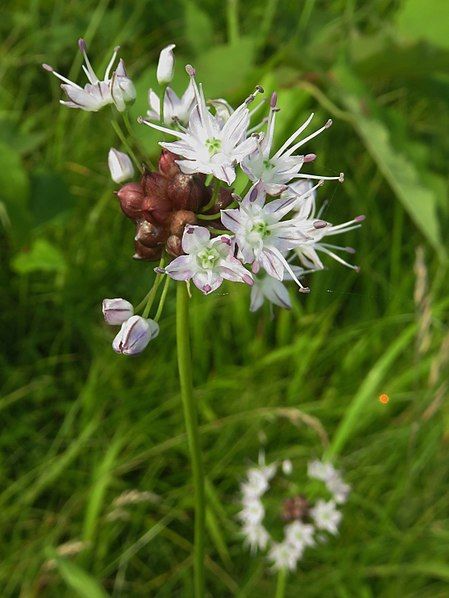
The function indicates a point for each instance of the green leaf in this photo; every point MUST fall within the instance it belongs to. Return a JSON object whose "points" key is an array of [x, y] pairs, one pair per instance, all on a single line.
{"points": [[78, 580], [425, 20], [14, 194], [198, 28], [393, 160], [42, 257]]}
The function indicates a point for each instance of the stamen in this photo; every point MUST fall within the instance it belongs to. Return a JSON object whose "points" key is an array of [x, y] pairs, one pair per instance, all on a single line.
{"points": [[337, 258], [309, 158], [293, 137], [190, 70], [286, 265], [321, 178], [273, 100], [143, 121], [350, 250], [50, 69], [111, 62], [307, 139], [360, 218]]}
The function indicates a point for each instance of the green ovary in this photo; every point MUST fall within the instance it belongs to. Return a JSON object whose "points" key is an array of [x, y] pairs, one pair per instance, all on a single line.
{"points": [[213, 145], [207, 258]]}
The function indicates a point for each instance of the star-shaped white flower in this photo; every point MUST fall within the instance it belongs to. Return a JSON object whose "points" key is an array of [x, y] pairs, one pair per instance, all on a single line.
{"points": [[209, 145], [176, 109], [326, 516], [284, 556], [277, 170], [115, 88], [300, 535], [207, 261]]}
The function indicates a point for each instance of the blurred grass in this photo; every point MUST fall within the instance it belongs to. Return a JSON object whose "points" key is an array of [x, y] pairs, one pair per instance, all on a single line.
{"points": [[80, 425]]}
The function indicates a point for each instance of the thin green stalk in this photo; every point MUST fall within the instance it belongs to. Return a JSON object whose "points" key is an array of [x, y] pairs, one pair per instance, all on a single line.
{"points": [[191, 420], [160, 307], [214, 197], [126, 145], [233, 21], [152, 294], [281, 583]]}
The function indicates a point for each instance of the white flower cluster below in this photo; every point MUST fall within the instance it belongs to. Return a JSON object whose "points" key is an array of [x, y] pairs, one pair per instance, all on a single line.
{"points": [[324, 515]]}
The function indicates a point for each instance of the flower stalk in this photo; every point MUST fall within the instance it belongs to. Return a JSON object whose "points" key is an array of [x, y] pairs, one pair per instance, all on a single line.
{"points": [[191, 421], [281, 583]]}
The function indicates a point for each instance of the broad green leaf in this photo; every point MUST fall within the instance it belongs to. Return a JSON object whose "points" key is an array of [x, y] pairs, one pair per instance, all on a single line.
{"points": [[393, 160], [198, 28], [42, 257], [78, 580], [425, 20], [14, 194]]}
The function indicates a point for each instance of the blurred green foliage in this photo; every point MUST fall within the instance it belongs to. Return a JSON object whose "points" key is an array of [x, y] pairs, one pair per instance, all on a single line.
{"points": [[81, 425]]}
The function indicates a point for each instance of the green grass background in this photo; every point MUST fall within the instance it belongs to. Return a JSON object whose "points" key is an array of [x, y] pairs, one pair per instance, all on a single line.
{"points": [[81, 425]]}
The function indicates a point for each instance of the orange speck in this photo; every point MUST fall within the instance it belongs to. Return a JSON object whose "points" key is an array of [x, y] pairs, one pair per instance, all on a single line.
{"points": [[384, 398]]}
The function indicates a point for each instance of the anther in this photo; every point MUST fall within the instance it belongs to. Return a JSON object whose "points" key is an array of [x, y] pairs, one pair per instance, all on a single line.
{"points": [[190, 70], [328, 124], [273, 100], [309, 158], [341, 178], [320, 224], [82, 45], [350, 250], [260, 89], [359, 218], [236, 197], [48, 68], [159, 270]]}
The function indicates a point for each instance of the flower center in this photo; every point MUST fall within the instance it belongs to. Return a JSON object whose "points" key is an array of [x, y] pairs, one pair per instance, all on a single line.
{"points": [[261, 228], [207, 258], [213, 145]]}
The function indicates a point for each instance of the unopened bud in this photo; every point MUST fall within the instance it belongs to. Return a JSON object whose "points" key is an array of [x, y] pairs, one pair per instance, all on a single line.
{"points": [[149, 234], [134, 335], [187, 192], [166, 65], [131, 198], [117, 311], [174, 246], [167, 164], [179, 221], [148, 254], [120, 166]]}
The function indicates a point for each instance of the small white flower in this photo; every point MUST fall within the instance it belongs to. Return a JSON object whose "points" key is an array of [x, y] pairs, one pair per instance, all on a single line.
{"points": [[208, 146], [166, 65], [263, 237], [338, 488], [208, 261], [115, 88], [299, 534], [257, 483], [253, 511], [287, 467], [276, 171], [177, 110], [116, 311], [320, 470], [284, 556], [256, 536], [326, 516], [120, 166], [134, 335]]}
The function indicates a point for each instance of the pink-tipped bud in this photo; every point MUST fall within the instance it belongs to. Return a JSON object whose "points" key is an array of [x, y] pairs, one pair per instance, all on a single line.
{"points": [[309, 158], [360, 218], [117, 311], [134, 335]]}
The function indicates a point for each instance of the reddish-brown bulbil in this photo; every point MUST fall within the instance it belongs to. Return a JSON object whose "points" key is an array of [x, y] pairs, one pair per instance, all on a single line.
{"points": [[161, 205]]}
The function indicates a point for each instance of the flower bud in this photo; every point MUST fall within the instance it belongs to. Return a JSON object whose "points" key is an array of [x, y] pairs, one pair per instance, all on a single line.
{"points": [[120, 166], [131, 198], [166, 65], [117, 311], [187, 192], [174, 246], [179, 220], [149, 234], [134, 335], [167, 163], [149, 254]]}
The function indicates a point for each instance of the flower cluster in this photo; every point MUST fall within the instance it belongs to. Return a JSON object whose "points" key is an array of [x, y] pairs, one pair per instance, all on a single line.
{"points": [[188, 211], [304, 521]]}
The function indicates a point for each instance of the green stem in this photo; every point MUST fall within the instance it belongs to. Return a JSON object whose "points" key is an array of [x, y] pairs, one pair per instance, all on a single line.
{"points": [[215, 193], [160, 307], [126, 145], [281, 583], [152, 294], [191, 420], [233, 22]]}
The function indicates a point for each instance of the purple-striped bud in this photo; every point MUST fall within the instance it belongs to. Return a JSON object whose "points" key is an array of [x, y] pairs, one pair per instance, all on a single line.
{"points": [[117, 311], [134, 335]]}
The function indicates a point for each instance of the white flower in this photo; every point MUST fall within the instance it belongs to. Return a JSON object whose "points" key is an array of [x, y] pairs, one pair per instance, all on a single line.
{"points": [[284, 556], [320, 470], [176, 109], [116, 311], [276, 171], [299, 535], [208, 146], [208, 261], [115, 88], [257, 483], [287, 467], [269, 288], [166, 65], [338, 488], [262, 236], [256, 536], [120, 166], [134, 335], [326, 516], [253, 511]]}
